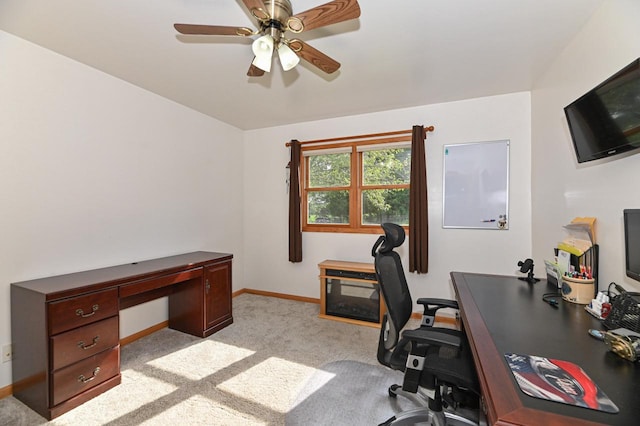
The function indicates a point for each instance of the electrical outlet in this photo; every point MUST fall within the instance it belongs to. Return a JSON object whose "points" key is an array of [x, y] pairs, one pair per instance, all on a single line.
{"points": [[7, 353]]}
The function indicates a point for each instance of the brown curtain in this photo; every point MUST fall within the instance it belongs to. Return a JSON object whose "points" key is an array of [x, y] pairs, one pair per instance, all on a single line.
{"points": [[418, 208], [295, 227]]}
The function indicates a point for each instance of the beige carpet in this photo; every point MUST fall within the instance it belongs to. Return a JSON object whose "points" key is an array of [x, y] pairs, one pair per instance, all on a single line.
{"points": [[251, 373]]}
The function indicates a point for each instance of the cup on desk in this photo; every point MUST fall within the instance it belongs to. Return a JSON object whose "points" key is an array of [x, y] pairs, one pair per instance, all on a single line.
{"points": [[577, 290]]}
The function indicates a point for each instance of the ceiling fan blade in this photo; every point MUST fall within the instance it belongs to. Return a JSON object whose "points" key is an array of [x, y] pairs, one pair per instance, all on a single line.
{"points": [[255, 71], [213, 30], [254, 4], [257, 9], [326, 14], [314, 56]]}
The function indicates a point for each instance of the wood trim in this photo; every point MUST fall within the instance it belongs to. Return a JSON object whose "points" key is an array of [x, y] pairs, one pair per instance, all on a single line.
{"points": [[313, 146], [6, 391], [140, 334], [278, 295], [350, 320], [351, 266], [356, 137], [441, 318], [355, 190], [485, 355]]}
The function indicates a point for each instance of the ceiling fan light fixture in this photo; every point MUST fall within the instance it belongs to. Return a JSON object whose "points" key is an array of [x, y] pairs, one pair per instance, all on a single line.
{"points": [[262, 62], [263, 46], [288, 58], [263, 50]]}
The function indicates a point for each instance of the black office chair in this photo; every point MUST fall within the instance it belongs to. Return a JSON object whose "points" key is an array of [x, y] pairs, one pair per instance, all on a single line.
{"points": [[437, 363]]}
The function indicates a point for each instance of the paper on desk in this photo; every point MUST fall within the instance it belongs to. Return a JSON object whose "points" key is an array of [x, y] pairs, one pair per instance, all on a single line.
{"points": [[575, 247], [580, 238], [588, 223], [554, 272], [564, 260]]}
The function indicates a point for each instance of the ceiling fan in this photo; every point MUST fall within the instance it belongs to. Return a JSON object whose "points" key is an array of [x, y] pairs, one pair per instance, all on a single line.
{"points": [[274, 18]]}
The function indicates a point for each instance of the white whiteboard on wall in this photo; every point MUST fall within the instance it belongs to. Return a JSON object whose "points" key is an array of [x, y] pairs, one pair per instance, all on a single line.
{"points": [[476, 185]]}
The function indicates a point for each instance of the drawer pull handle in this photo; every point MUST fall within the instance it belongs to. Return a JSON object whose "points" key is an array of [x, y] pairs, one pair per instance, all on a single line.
{"points": [[85, 347], [83, 379], [80, 312]]}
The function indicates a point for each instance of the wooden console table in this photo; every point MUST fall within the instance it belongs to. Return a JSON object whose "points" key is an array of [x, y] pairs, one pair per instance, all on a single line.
{"points": [[65, 329]]}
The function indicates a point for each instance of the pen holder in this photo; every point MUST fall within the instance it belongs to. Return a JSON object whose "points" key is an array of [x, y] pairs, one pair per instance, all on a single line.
{"points": [[577, 290]]}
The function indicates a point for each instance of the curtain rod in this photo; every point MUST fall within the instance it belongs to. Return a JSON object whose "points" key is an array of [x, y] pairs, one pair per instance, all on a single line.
{"points": [[372, 135]]}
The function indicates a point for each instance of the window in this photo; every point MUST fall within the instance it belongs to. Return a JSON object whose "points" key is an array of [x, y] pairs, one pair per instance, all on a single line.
{"points": [[355, 188]]}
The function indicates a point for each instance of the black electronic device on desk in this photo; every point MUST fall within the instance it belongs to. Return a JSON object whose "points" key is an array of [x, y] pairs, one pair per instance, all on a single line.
{"points": [[631, 218], [526, 267], [625, 312], [625, 305]]}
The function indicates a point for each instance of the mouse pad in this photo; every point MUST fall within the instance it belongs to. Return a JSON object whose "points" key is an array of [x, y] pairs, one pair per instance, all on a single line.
{"points": [[558, 381]]}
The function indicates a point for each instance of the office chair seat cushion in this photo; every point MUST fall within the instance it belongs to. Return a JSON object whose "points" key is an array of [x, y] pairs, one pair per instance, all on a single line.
{"points": [[452, 366]]}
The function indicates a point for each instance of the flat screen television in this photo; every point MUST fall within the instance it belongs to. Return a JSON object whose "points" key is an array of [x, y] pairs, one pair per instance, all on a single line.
{"points": [[632, 242], [606, 120]]}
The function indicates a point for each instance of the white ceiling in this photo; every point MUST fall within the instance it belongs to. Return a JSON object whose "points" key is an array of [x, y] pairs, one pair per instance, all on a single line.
{"points": [[399, 53]]}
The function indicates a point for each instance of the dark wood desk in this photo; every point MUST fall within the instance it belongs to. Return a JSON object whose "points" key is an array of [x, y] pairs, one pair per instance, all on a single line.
{"points": [[505, 315], [65, 329]]}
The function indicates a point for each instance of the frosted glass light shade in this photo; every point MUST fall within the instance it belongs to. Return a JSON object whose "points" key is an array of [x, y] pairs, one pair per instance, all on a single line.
{"points": [[263, 46], [288, 58], [263, 49], [262, 62]]}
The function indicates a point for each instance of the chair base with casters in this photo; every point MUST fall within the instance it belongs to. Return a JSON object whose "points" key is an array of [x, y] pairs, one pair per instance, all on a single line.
{"points": [[425, 415], [460, 416], [442, 404], [438, 368]]}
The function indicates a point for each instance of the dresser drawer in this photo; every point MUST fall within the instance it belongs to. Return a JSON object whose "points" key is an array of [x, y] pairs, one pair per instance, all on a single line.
{"points": [[84, 375], [82, 310], [80, 343]]}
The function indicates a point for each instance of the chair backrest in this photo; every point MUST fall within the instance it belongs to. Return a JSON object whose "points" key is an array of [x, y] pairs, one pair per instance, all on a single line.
{"points": [[393, 284]]}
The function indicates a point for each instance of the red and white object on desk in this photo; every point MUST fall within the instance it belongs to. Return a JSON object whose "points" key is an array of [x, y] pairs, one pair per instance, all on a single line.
{"points": [[600, 306]]}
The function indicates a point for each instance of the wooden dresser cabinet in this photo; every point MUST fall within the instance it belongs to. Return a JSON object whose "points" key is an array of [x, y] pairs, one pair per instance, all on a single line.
{"points": [[65, 329]]}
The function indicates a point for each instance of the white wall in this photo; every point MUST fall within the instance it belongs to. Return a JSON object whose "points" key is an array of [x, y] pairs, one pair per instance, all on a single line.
{"points": [[562, 189], [96, 172], [266, 199]]}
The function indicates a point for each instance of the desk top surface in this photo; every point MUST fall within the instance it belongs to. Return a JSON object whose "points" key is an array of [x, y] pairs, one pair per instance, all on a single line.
{"points": [[97, 279], [505, 315]]}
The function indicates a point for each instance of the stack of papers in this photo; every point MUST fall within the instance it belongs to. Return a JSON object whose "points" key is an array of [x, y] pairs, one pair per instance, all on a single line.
{"points": [[580, 236]]}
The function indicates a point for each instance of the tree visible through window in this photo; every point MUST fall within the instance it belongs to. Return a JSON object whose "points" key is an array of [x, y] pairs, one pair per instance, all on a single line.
{"points": [[356, 189]]}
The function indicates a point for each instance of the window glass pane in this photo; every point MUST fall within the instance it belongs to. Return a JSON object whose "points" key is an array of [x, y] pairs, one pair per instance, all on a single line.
{"points": [[386, 166], [330, 170], [328, 207], [385, 205]]}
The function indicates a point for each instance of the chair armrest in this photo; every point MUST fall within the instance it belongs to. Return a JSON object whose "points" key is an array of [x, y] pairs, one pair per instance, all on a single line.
{"points": [[431, 306], [439, 303], [433, 337]]}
